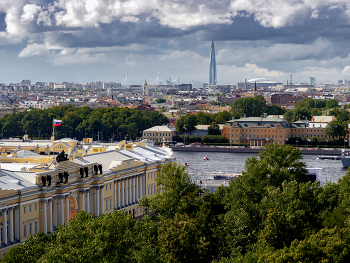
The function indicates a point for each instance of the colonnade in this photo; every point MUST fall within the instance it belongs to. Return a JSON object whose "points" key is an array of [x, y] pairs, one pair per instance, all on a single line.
{"points": [[126, 192], [10, 228]]}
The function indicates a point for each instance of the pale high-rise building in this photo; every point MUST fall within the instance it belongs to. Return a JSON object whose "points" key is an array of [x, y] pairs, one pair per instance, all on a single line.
{"points": [[212, 69]]}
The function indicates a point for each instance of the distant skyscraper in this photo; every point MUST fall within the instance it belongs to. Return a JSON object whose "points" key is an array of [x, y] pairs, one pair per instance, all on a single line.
{"points": [[212, 69], [312, 81]]}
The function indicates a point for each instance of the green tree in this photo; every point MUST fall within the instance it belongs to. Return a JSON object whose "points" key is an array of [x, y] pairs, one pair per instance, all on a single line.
{"points": [[299, 113], [343, 116], [331, 245], [176, 192], [246, 214], [160, 100], [336, 128], [275, 110], [179, 125], [214, 129], [190, 122], [316, 112], [214, 139], [332, 104], [203, 118], [180, 241], [251, 107]]}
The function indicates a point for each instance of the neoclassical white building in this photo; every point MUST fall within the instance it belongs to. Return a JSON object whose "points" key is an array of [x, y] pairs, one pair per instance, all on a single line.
{"points": [[35, 198]]}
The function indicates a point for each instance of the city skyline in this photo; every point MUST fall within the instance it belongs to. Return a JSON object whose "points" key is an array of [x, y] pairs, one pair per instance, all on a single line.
{"points": [[100, 40]]}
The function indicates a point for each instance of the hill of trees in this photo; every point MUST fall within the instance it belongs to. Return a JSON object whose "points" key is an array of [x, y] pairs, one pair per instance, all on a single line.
{"points": [[272, 213], [80, 122]]}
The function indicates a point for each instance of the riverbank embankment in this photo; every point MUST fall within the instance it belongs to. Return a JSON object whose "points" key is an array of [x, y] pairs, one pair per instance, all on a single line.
{"points": [[232, 149]]}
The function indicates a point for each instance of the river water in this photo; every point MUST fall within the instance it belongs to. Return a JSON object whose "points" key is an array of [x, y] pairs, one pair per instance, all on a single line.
{"points": [[233, 163]]}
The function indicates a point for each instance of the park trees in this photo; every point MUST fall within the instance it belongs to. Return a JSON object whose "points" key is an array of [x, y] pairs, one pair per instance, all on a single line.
{"points": [[80, 122], [251, 107], [336, 128]]}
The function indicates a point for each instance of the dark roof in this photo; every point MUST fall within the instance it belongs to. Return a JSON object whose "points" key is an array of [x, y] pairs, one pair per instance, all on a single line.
{"points": [[258, 121]]}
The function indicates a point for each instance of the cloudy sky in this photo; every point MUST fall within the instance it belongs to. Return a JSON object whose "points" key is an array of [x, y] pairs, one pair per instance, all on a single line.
{"points": [[91, 40]]}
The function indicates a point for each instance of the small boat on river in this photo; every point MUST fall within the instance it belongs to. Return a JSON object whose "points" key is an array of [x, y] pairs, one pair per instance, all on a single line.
{"points": [[322, 157]]}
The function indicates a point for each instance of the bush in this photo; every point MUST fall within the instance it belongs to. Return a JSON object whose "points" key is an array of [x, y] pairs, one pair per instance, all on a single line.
{"points": [[214, 139], [187, 138]]}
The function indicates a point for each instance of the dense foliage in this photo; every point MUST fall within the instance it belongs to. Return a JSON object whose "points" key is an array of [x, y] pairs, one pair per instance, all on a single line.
{"points": [[254, 107], [271, 213], [308, 107], [81, 122]]}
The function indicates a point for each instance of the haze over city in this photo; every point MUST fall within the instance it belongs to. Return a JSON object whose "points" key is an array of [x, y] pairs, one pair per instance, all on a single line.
{"points": [[100, 40]]}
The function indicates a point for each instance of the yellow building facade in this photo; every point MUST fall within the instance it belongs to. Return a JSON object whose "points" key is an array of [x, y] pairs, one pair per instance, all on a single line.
{"points": [[42, 197], [257, 131]]}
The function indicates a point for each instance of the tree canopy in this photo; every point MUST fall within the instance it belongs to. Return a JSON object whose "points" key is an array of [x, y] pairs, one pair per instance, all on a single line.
{"points": [[336, 128], [80, 122], [271, 213]]}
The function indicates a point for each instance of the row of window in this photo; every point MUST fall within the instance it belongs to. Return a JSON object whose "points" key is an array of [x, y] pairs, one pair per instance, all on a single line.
{"points": [[257, 136], [110, 186], [153, 174], [151, 190], [262, 130], [30, 226], [30, 208], [315, 135], [156, 134], [109, 201]]}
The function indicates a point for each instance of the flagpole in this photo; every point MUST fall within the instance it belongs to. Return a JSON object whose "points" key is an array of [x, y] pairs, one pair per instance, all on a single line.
{"points": [[53, 128]]}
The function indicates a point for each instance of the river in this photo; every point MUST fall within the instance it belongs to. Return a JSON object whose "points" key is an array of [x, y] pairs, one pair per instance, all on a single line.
{"points": [[233, 163]]}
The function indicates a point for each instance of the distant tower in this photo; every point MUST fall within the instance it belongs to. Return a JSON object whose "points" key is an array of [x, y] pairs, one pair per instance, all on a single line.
{"points": [[127, 79], [145, 89], [312, 81], [212, 69], [291, 79]]}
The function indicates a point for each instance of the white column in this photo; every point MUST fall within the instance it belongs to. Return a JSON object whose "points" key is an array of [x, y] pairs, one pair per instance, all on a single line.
{"points": [[61, 211], [140, 186], [97, 201], [126, 192], [67, 208], [82, 200], [17, 223], [44, 217], [55, 212], [4, 230], [129, 191], [119, 189], [102, 200], [134, 189], [50, 215], [115, 194], [137, 188], [11, 225], [123, 192], [88, 201]]}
